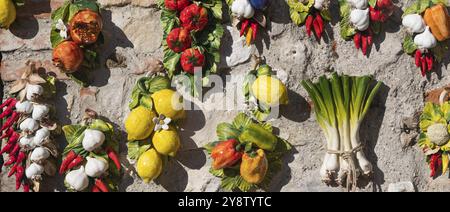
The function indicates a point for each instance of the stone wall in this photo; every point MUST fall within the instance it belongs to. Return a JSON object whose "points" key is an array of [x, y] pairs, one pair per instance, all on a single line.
{"points": [[133, 34]]}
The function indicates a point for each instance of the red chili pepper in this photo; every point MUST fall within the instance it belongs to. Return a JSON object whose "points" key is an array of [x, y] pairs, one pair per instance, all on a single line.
{"points": [[418, 55], [11, 120], [113, 156], [101, 185], [308, 24], [15, 150], [12, 159], [26, 187], [320, 22], [423, 61], [434, 162], [6, 113], [357, 40], [364, 44], [429, 59], [7, 133], [95, 189], [316, 27], [75, 162], [13, 170], [14, 138], [244, 26], [6, 103], [21, 157], [254, 27], [7, 148], [369, 37], [19, 176], [69, 158]]}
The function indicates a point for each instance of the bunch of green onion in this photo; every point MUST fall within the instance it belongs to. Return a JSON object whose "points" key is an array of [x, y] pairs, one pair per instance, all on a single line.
{"points": [[340, 104]]}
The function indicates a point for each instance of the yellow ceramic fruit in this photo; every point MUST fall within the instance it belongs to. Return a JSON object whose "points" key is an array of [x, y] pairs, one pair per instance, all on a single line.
{"points": [[270, 91], [254, 169], [166, 142], [7, 13], [139, 123], [168, 103], [149, 165]]}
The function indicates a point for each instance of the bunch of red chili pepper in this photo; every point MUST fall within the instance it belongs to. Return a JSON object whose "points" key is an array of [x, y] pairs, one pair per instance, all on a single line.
{"points": [[424, 61], [249, 28], [16, 157], [315, 21], [363, 40]]}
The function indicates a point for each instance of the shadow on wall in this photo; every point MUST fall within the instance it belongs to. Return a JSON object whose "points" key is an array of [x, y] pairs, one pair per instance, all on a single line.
{"points": [[114, 38], [26, 25], [369, 133], [298, 109]]}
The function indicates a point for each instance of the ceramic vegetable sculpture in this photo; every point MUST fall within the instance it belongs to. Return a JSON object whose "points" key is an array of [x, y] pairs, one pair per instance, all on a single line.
{"points": [[434, 136], [152, 125], [362, 19], [90, 161], [312, 13], [340, 104], [247, 154], [191, 38], [75, 37], [428, 25], [249, 13], [263, 90], [8, 12], [28, 130]]}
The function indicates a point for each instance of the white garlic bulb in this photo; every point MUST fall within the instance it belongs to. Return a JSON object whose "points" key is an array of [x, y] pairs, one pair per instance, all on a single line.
{"points": [[425, 40], [414, 23], [40, 111], [39, 154], [95, 167], [40, 136], [92, 139], [25, 107], [34, 170], [360, 19], [29, 125], [34, 91], [359, 4], [77, 179]]}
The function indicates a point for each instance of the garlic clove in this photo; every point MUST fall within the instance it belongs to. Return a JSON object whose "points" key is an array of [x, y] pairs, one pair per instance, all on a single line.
{"points": [[95, 167], [40, 136], [425, 40], [25, 107], [414, 23], [39, 154], [92, 139], [34, 170], [40, 111], [34, 91], [77, 179], [360, 19], [29, 125]]}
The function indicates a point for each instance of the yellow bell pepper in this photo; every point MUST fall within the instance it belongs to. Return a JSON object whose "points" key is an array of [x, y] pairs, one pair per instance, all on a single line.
{"points": [[254, 169]]}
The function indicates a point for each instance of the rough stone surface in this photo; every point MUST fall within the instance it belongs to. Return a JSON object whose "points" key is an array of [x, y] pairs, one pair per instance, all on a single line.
{"points": [[133, 34]]}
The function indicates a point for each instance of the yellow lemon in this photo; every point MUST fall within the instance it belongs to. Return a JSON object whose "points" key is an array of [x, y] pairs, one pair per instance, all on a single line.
{"points": [[7, 13], [139, 123], [149, 165], [168, 103], [270, 91], [166, 142]]}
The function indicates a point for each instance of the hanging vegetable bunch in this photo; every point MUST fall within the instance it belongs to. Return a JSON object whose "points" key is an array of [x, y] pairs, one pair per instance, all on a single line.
{"points": [[28, 129], [263, 90], [311, 13], [428, 24], [192, 37], [90, 159], [8, 12], [361, 19], [75, 36], [152, 125], [250, 16], [340, 104], [247, 154], [434, 137]]}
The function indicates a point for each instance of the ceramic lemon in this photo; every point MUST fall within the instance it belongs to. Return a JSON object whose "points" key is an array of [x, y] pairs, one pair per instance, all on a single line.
{"points": [[168, 103], [139, 123]]}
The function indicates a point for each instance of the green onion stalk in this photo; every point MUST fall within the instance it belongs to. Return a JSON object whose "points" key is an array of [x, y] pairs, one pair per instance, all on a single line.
{"points": [[340, 105]]}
